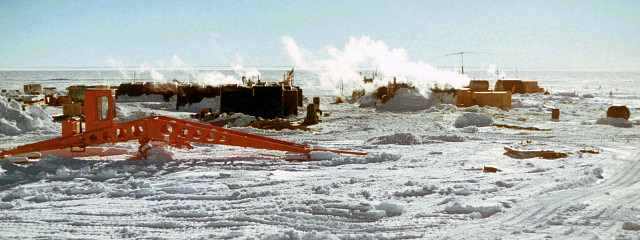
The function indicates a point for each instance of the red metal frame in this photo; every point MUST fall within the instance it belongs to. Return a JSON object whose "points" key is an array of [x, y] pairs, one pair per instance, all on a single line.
{"points": [[177, 133]]}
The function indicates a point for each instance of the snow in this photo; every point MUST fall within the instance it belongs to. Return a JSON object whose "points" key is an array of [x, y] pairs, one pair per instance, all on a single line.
{"points": [[213, 103], [314, 156], [306, 236], [391, 209], [630, 226], [9, 128], [422, 177], [236, 119], [384, 157], [405, 100], [141, 98], [397, 138], [473, 119], [14, 120], [484, 211], [5, 205], [38, 112], [616, 122]]}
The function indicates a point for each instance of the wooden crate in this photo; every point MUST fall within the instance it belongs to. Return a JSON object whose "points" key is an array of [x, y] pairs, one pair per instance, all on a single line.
{"points": [[494, 99]]}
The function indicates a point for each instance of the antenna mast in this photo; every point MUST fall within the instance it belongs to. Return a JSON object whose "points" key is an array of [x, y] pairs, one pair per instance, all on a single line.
{"points": [[462, 58], [341, 83]]}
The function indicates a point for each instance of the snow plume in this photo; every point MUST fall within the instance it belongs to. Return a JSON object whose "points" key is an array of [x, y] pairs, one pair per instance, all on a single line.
{"points": [[295, 52], [213, 78], [155, 75], [241, 70], [341, 65], [120, 66], [216, 78], [493, 71]]}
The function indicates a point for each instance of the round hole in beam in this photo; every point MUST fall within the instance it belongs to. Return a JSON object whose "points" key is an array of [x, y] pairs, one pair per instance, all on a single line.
{"points": [[197, 134], [166, 129], [121, 133], [136, 130], [185, 132]]}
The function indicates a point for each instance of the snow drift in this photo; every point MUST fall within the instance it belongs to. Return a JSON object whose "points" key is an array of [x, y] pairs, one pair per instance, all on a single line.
{"points": [[14, 120], [616, 122], [473, 119], [405, 100]]}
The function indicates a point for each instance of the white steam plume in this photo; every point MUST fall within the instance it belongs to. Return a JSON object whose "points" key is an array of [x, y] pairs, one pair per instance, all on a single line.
{"points": [[155, 75], [295, 52], [493, 71], [241, 70], [213, 78], [120, 66], [341, 65]]}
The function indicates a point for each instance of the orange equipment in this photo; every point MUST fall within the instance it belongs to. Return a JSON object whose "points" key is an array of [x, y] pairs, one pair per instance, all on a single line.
{"points": [[101, 127]]}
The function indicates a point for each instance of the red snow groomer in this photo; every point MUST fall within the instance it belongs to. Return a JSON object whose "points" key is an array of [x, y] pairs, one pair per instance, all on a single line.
{"points": [[101, 127]]}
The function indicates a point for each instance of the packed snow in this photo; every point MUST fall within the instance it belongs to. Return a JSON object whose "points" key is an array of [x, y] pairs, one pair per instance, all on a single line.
{"points": [[473, 119], [235, 120], [14, 120], [423, 176]]}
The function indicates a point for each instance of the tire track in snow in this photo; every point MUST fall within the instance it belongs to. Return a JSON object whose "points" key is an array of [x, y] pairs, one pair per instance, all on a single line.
{"points": [[544, 206]]}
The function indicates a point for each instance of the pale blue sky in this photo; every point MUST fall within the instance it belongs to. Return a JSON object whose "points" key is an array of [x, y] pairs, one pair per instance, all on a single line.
{"points": [[523, 34]]}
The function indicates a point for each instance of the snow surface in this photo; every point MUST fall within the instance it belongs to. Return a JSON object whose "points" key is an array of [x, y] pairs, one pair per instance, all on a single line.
{"points": [[422, 179], [141, 98], [616, 122], [236, 119], [405, 100], [155, 101], [213, 103], [473, 119], [14, 120]]}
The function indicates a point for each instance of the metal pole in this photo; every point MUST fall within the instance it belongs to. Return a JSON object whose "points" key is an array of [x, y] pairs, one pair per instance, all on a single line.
{"points": [[462, 58]]}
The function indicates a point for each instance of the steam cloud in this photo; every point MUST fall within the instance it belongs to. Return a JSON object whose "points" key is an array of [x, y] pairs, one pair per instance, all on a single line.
{"points": [[242, 71], [187, 72], [341, 66], [213, 78], [120, 66], [494, 72]]}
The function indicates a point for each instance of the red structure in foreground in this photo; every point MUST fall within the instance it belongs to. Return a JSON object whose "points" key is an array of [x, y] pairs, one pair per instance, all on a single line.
{"points": [[101, 127]]}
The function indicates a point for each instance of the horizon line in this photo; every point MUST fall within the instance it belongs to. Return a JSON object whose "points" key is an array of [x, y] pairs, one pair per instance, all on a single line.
{"points": [[285, 67]]}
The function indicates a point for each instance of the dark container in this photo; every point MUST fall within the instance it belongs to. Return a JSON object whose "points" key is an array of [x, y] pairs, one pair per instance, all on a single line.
{"points": [[555, 114], [291, 102], [618, 111]]}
